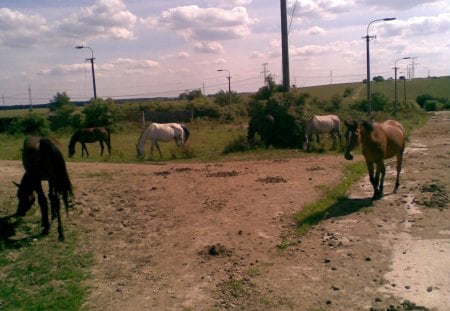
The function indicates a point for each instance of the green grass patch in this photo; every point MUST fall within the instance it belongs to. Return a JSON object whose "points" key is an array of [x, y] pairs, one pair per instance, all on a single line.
{"points": [[43, 275], [334, 202]]}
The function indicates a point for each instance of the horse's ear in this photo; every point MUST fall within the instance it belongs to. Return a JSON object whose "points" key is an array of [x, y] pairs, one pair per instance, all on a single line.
{"points": [[18, 186]]}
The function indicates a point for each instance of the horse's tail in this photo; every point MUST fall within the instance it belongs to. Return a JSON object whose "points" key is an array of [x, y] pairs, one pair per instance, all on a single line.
{"points": [[62, 182], [186, 133]]}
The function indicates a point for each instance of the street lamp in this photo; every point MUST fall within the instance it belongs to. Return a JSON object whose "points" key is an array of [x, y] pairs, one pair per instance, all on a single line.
{"points": [[395, 83], [367, 37], [92, 66], [229, 88]]}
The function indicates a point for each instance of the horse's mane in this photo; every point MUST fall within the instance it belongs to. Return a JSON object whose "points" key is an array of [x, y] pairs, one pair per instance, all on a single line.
{"points": [[367, 125], [186, 132]]}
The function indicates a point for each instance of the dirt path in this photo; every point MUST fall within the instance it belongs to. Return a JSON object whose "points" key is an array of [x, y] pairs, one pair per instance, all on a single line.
{"points": [[221, 236]]}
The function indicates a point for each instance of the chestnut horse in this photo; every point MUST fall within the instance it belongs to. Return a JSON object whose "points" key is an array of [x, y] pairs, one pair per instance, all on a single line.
{"points": [[379, 141], [42, 160], [90, 135]]}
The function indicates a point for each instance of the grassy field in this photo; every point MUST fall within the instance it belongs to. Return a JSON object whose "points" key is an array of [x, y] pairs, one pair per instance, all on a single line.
{"points": [[43, 274], [438, 87]]}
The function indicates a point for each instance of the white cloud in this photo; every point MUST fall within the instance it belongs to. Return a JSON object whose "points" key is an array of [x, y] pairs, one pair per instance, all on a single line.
{"points": [[228, 3], [419, 26], [313, 31], [322, 9], [20, 30], [256, 54], [204, 24], [209, 47], [106, 18], [62, 70], [397, 4]]}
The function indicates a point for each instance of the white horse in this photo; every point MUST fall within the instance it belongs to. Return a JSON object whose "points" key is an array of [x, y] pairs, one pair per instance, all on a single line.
{"points": [[320, 125], [161, 132]]}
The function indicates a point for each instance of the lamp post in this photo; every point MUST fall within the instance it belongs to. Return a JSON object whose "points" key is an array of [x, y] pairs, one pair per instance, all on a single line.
{"points": [[395, 83], [367, 37], [229, 88], [92, 66], [404, 87]]}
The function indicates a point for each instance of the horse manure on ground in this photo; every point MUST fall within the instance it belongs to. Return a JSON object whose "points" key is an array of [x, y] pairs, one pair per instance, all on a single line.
{"points": [[215, 250], [223, 174], [272, 180]]}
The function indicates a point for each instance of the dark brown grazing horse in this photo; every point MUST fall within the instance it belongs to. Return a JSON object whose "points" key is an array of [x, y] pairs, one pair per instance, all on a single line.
{"points": [[42, 160], [90, 135], [379, 141]]}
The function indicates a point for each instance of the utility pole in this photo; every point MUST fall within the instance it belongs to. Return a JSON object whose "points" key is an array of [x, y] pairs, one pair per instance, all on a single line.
{"points": [[413, 67], [265, 71], [284, 45], [29, 98]]}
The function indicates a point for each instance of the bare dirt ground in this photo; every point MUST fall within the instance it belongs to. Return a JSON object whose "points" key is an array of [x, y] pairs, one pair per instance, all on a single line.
{"points": [[221, 236]]}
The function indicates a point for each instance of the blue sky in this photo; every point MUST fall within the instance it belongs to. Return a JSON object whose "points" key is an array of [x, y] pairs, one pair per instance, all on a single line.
{"points": [[165, 47]]}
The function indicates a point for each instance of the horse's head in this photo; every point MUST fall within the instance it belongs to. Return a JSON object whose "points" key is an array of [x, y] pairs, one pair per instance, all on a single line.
{"points": [[139, 152], [351, 138], [26, 198]]}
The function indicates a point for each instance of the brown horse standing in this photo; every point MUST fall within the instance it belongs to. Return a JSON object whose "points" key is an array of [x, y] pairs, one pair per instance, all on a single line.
{"points": [[42, 160], [90, 135], [379, 141]]}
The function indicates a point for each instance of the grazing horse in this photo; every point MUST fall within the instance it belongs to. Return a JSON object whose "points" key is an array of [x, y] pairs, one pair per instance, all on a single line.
{"points": [[379, 141], [264, 126], [161, 132], [90, 135], [320, 125], [42, 160]]}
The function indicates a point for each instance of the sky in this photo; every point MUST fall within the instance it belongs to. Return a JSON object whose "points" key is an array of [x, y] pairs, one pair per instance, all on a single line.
{"points": [[163, 48]]}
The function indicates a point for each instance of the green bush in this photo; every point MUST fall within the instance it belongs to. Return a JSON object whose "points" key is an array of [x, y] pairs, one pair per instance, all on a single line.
{"points": [[30, 124], [422, 99], [203, 108], [100, 112], [432, 105]]}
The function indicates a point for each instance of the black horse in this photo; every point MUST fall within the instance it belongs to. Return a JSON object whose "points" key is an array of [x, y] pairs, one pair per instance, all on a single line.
{"points": [[262, 125], [90, 135], [42, 160]]}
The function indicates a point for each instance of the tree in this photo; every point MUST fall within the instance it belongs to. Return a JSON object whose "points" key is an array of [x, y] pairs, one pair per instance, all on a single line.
{"points": [[378, 79], [100, 112], [59, 100], [222, 98]]}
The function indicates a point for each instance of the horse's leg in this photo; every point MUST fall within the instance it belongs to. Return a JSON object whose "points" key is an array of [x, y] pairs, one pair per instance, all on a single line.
{"points": [[318, 138], [306, 143], [159, 149], [83, 148], [381, 169], [87, 152], [55, 207], [43, 204], [101, 147], [151, 149], [399, 168], [370, 168], [333, 136]]}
